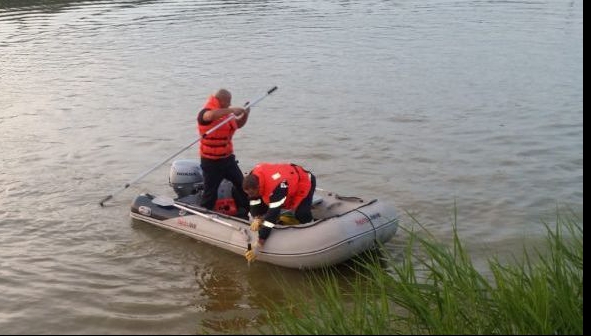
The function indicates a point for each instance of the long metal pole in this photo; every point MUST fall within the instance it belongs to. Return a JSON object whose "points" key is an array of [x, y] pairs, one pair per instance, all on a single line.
{"points": [[144, 174]]}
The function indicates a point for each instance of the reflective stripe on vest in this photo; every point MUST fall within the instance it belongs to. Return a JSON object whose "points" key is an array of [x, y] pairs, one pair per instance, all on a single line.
{"points": [[268, 224], [277, 204], [270, 175]]}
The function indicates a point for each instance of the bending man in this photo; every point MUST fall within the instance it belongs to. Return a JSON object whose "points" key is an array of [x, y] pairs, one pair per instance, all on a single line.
{"points": [[273, 187]]}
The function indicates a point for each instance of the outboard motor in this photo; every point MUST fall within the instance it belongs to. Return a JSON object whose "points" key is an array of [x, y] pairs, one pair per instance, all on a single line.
{"points": [[185, 177]]}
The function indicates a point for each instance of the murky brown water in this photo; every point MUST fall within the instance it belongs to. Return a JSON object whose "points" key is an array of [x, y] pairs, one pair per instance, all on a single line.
{"points": [[429, 105]]}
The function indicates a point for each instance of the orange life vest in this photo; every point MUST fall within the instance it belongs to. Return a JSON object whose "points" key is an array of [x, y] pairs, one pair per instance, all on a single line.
{"points": [[270, 175], [218, 144]]}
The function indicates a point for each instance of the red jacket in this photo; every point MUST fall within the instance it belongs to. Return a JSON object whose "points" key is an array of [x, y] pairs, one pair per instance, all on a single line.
{"points": [[218, 144], [270, 175]]}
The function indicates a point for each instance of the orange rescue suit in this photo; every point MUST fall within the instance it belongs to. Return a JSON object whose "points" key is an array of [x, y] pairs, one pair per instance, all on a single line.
{"points": [[218, 144], [270, 175]]}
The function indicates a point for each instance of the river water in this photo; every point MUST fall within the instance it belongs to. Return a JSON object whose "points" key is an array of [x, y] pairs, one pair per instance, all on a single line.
{"points": [[443, 108]]}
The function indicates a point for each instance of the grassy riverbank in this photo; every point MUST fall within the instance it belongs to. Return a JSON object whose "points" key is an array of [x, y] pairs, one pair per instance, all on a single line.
{"points": [[435, 289]]}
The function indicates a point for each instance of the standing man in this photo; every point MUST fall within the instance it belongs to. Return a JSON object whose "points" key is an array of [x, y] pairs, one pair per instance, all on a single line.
{"points": [[217, 151], [273, 187]]}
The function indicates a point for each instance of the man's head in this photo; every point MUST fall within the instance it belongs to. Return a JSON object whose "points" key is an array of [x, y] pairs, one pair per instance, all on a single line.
{"points": [[225, 98], [250, 185]]}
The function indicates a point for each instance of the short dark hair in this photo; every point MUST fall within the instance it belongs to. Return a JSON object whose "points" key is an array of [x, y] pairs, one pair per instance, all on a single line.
{"points": [[250, 181]]}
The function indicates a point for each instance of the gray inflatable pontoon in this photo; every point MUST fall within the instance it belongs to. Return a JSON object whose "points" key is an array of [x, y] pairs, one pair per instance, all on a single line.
{"points": [[343, 227]]}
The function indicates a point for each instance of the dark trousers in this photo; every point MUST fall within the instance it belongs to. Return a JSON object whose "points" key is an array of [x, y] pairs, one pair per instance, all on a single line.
{"points": [[304, 211], [214, 171]]}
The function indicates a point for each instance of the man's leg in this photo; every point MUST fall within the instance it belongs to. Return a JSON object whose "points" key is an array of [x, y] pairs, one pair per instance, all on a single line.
{"points": [[212, 177], [235, 175], [304, 210]]}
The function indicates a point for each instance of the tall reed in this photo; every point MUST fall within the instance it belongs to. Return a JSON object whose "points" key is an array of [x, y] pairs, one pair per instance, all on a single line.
{"points": [[434, 288]]}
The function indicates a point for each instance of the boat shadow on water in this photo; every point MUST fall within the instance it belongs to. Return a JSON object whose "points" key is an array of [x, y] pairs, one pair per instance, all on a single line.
{"points": [[232, 295]]}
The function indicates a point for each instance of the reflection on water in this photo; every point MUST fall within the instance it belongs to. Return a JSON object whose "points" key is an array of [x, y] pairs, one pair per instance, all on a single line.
{"points": [[230, 299], [223, 299]]}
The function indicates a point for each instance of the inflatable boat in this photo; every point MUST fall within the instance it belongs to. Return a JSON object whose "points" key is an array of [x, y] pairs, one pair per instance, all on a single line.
{"points": [[343, 226]]}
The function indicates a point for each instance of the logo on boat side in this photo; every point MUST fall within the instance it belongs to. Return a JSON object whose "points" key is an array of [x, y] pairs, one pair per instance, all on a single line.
{"points": [[183, 222], [365, 220], [144, 210]]}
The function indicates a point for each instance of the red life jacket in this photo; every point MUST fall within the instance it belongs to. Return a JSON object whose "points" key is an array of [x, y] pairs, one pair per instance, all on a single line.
{"points": [[270, 175], [218, 144]]}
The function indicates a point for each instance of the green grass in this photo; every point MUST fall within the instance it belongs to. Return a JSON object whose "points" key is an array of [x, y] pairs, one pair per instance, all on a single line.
{"points": [[434, 288]]}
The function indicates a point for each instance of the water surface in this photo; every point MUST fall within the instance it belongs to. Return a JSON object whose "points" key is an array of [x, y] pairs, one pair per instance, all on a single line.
{"points": [[439, 107]]}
